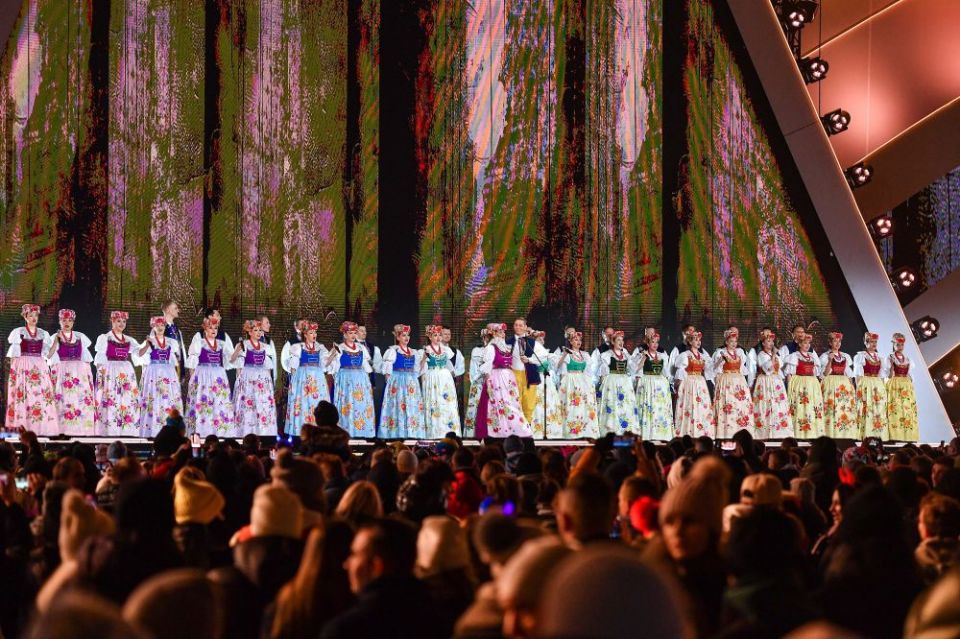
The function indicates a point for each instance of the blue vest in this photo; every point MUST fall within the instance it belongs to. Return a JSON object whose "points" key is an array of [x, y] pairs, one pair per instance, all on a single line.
{"points": [[532, 368]]}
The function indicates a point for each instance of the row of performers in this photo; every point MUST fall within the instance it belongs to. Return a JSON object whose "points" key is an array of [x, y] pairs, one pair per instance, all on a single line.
{"points": [[794, 392]]}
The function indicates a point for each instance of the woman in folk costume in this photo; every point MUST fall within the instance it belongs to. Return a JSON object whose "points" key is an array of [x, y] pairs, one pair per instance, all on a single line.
{"points": [[803, 390], [547, 415], [306, 364], [654, 400], [401, 414], [31, 401], [254, 404], [694, 412], [117, 393], [159, 356], [902, 417], [732, 403], [352, 391], [771, 409], [209, 407], [577, 391], [499, 413], [69, 360], [839, 395], [618, 401], [441, 411], [476, 385], [870, 370]]}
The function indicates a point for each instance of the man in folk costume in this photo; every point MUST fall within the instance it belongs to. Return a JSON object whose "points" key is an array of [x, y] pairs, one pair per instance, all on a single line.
{"points": [[459, 366], [171, 313], [527, 355]]}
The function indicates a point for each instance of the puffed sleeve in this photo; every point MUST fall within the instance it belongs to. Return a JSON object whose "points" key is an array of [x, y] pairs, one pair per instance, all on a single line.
{"points": [[193, 355], [134, 349], [14, 339], [377, 359], [665, 371], [476, 359], [291, 359], [886, 369], [744, 363], [241, 358], [751, 365], [603, 364], [284, 356], [716, 362], [449, 353], [672, 360], [271, 361], [909, 367], [227, 343], [334, 366], [100, 351], [459, 366], [784, 353], [367, 361], [486, 366], [824, 361], [144, 360], [790, 364], [848, 371], [85, 344], [196, 341], [389, 357], [680, 366]]}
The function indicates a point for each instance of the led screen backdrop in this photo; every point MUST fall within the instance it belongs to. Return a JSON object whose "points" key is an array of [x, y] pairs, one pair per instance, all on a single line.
{"points": [[415, 161]]}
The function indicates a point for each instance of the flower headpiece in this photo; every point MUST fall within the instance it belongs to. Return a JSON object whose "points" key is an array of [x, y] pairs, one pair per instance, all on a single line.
{"points": [[616, 334], [251, 325], [690, 331], [493, 327], [692, 335], [733, 331], [210, 322], [299, 324], [26, 309], [401, 329], [158, 320], [653, 336], [118, 315], [836, 335], [868, 337], [67, 314], [346, 327], [806, 338], [898, 338], [310, 326], [767, 334], [434, 329]]}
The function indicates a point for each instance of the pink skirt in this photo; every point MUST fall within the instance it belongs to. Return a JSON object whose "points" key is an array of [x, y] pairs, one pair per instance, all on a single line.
{"points": [[30, 398], [498, 412]]}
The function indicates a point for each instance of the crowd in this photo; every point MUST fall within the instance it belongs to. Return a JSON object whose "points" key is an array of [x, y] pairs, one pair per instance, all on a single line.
{"points": [[618, 539]]}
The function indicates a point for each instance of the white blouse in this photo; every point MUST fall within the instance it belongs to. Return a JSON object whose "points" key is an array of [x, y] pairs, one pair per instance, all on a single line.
{"points": [[20, 333], [769, 364], [683, 360], [476, 363], [891, 360], [269, 360], [197, 341], [861, 358], [723, 355], [151, 340], [100, 358], [825, 362], [604, 364], [193, 355], [291, 353], [445, 351], [640, 356], [334, 367], [390, 358], [790, 364], [85, 344]]}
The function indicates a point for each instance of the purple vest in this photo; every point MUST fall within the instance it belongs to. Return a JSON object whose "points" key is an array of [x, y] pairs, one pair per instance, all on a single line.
{"points": [[31, 347], [210, 358], [70, 352], [160, 355], [501, 359], [255, 358], [117, 352]]}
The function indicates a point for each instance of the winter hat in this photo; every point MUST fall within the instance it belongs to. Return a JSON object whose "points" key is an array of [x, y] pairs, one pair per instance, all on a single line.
{"points": [[643, 515], [407, 461], [116, 451], [145, 506], [529, 572], [602, 591], [168, 440], [761, 489], [700, 495], [512, 444], [180, 603], [276, 512], [195, 500], [79, 521], [302, 476], [441, 546]]}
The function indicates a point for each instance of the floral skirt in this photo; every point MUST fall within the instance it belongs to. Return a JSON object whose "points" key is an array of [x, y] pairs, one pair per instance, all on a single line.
{"points": [[30, 397], [771, 410], [806, 406], [498, 412], [694, 413], [618, 406], [441, 411], [656, 407], [902, 410], [733, 405], [547, 411], [159, 392], [470, 414], [839, 406], [73, 391], [118, 400], [578, 405], [353, 397], [209, 408], [254, 406], [308, 387], [401, 415], [872, 407]]}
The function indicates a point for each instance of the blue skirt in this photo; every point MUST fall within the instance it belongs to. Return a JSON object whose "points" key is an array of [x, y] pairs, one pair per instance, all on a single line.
{"points": [[401, 416], [308, 387], [353, 397]]}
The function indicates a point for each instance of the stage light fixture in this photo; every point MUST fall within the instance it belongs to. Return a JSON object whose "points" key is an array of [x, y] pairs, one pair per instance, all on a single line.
{"points": [[859, 174], [925, 328], [947, 381], [903, 279], [814, 69], [881, 227], [836, 121], [796, 14]]}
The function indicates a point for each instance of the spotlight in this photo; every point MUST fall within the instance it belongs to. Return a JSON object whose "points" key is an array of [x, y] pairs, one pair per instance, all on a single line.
{"points": [[859, 175], [925, 328], [813, 69], [881, 227], [837, 121], [796, 14], [903, 279], [947, 381]]}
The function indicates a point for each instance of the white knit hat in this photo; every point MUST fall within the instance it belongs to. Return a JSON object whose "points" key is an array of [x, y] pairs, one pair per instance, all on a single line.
{"points": [[276, 511], [441, 546], [78, 522]]}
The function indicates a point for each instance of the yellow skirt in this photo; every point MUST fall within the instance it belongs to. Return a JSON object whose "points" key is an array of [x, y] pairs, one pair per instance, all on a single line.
{"points": [[806, 406], [872, 407], [902, 410], [839, 407]]}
